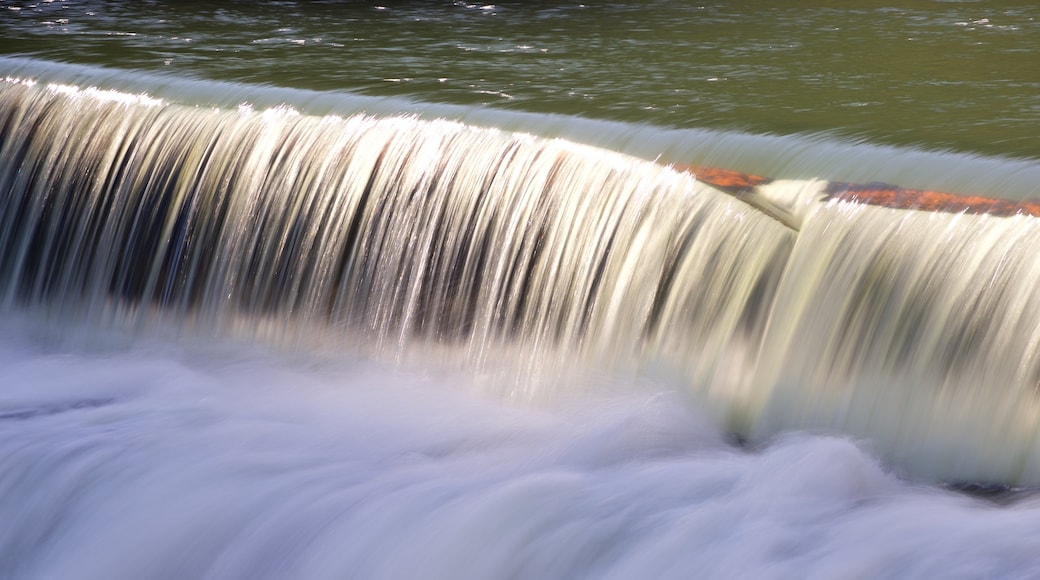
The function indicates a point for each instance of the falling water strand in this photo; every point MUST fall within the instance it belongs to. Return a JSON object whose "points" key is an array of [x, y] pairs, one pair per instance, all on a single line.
{"points": [[917, 330], [388, 232], [785, 304]]}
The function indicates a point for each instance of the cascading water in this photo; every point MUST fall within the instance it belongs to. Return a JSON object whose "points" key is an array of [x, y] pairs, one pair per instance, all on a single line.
{"points": [[531, 290], [916, 330], [400, 234], [390, 231]]}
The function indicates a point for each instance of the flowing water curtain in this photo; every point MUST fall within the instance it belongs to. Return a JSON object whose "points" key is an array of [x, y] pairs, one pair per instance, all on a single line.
{"points": [[388, 231], [915, 329], [919, 331]]}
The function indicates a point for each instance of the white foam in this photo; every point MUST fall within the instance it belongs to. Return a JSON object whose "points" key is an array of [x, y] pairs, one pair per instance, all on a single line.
{"points": [[160, 462]]}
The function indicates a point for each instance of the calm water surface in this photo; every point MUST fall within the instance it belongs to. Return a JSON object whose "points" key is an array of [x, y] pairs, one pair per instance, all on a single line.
{"points": [[941, 75]]}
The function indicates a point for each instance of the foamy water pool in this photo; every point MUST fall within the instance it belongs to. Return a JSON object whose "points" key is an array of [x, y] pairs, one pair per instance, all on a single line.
{"points": [[169, 461]]}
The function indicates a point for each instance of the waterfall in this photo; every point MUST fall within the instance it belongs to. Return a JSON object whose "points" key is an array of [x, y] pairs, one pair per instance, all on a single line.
{"points": [[917, 330], [384, 231], [784, 304]]}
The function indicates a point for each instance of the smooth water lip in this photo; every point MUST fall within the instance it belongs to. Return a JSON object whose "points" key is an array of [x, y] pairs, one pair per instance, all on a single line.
{"points": [[798, 156]]}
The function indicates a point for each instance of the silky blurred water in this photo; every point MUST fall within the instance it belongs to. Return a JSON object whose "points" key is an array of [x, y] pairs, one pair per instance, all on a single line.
{"points": [[134, 456], [165, 461]]}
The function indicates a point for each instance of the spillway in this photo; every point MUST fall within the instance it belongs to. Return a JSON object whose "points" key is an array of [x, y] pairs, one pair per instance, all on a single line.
{"points": [[779, 304]]}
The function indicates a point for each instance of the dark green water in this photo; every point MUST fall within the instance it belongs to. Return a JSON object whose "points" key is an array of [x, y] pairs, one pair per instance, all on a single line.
{"points": [[961, 76]]}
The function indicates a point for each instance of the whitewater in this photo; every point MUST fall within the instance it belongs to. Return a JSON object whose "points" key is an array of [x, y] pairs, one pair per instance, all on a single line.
{"points": [[165, 461]]}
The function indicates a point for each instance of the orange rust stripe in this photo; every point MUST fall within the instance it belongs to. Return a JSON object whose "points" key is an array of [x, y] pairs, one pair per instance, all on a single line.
{"points": [[735, 182], [902, 198], [879, 194]]}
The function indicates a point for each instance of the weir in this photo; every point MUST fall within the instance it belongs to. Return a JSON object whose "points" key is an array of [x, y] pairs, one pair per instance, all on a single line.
{"points": [[781, 304], [386, 231]]}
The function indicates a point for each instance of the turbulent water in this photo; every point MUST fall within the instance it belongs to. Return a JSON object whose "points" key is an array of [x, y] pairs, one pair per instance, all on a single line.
{"points": [[351, 328], [165, 462]]}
